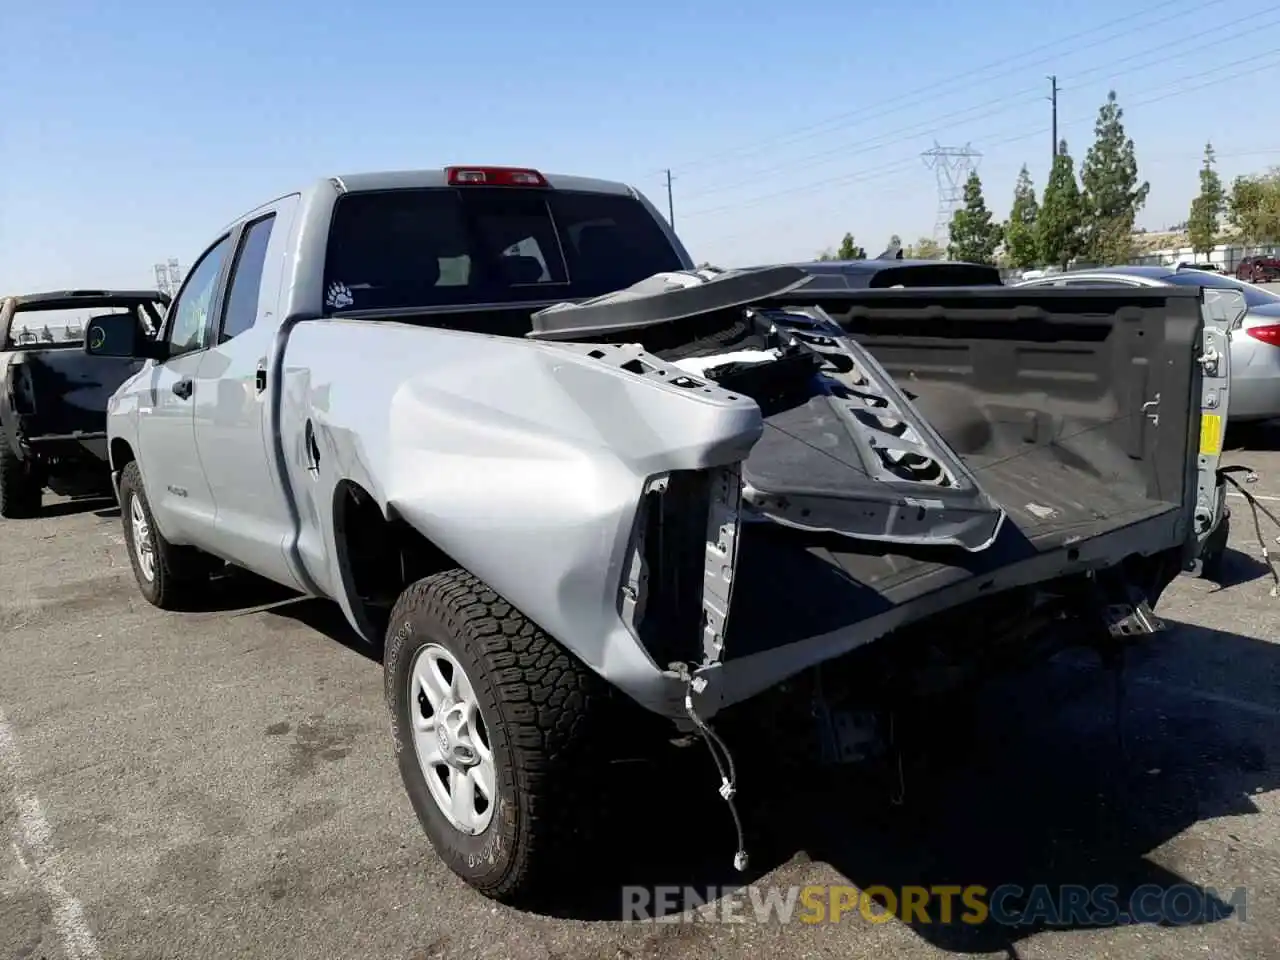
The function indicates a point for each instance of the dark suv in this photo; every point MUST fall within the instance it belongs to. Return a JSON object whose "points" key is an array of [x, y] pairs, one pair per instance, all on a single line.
{"points": [[1259, 269]]}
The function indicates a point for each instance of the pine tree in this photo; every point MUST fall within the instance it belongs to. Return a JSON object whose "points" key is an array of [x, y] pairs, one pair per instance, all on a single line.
{"points": [[1112, 195], [848, 250], [1207, 207], [1059, 219], [974, 237], [1020, 243]]}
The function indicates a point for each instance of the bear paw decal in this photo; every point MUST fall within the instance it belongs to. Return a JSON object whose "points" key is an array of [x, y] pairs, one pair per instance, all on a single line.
{"points": [[339, 296]]}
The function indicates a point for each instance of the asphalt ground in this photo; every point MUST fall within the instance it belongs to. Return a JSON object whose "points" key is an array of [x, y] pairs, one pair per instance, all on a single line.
{"points": [[220, 784]]}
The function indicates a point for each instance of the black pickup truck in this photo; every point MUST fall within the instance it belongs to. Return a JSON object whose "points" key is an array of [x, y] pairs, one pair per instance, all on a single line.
{"points": [[53, 395]]}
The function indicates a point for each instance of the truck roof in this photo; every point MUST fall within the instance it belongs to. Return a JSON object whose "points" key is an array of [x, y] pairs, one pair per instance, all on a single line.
{"points": [[375, 180], [438, 177], [73, 297]]}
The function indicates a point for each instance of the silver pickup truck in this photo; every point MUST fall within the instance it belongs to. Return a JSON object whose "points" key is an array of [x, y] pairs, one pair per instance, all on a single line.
{"points": [[566, 480]]}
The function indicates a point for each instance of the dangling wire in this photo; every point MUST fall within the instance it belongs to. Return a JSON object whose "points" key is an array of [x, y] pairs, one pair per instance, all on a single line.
{"points": [[728, 776], [1256, 507]]}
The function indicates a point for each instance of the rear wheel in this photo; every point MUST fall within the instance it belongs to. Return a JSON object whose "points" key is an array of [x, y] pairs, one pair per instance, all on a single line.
{"points": [[169, 576], [20, 489], [496, 734]]}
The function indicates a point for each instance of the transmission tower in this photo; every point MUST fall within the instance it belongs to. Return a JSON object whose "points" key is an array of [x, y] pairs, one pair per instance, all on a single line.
{"points": [[168, 277], [952, 166]]}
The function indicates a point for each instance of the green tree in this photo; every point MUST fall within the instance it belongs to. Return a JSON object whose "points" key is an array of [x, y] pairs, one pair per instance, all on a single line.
{"points": [[1059, 219], [1112, 195], [1021, 248], [974, 237], [848, 250], [1207, 207], [926, 248], [1254, 207]]}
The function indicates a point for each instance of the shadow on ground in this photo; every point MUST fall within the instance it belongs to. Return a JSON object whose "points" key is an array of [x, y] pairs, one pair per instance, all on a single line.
{"points": [[102, 506], [240, 593], [1029, 788], [1237, 568]]}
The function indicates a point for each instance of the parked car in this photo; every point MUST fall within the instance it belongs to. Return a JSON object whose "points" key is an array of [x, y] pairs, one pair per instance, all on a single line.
{"points": [[53, 398], [569, 481], [1207, 267], [1255, 339], [887, 272], [1259, 269]]}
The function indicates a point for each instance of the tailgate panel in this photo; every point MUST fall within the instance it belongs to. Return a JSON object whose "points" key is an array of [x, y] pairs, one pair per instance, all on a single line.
{"points": [[64, 391], [1080, 398]]}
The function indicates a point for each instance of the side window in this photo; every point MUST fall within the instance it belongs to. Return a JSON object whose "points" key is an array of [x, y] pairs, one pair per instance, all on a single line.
{"points": [[189, 314], [246, 279]]}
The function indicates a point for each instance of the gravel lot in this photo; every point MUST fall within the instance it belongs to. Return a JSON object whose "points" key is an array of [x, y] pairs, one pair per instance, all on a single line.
{"points": [[220, 784]]}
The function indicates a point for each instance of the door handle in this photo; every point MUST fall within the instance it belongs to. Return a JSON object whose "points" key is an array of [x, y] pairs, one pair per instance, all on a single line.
{"points": [[182, 388], [260, 378]]}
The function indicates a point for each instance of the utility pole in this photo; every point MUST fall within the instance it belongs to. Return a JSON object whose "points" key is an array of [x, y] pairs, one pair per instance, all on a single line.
{"points": [[1053, 99], [671, 207]]}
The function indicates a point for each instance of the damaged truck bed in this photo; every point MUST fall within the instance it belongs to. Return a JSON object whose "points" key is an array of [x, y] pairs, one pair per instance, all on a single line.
{"points": [[919, 449]]}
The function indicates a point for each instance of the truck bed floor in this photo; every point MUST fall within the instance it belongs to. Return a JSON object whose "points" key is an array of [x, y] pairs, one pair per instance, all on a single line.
{"points": [[792, 585]]}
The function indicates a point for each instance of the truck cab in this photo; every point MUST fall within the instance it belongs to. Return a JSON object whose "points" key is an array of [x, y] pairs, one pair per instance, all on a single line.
{"points": [[463, 241]]}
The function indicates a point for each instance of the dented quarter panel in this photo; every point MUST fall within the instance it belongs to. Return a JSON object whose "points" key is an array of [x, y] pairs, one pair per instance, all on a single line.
{"points": [[524, 461]]}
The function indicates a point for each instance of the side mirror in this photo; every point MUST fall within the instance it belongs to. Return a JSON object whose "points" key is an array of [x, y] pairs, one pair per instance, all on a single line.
{"points": [[116, 335]]}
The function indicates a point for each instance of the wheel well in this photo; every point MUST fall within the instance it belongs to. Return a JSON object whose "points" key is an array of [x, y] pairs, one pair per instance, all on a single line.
{"points": [[379, 555], [121, 454]]}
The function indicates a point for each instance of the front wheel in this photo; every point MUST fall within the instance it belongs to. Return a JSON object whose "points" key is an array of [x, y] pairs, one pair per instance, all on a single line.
{"points": [[495, 732], [169, 576]]}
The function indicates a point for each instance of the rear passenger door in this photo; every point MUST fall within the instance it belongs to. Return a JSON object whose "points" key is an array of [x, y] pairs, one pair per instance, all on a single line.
{"points": [[233, 404]]}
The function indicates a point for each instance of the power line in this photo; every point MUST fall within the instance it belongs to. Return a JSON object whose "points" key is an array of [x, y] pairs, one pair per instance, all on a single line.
{"points": [[969, 78], [900, 165], [1199, 154], [1002, 104], [844, 178], [1157, 158], [1005, 103]]}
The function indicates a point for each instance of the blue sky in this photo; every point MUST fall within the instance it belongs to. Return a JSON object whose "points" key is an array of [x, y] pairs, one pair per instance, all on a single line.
{"points": [[130, 137]]}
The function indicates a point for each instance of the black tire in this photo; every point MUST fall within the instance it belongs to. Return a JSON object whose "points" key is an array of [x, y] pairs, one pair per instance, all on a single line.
{"points": [[540, 707], [179, 574], [20, 490]]}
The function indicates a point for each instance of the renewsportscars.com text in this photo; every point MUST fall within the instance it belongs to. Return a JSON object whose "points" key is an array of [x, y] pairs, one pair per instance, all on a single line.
{"points": [[1006, 905]]}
